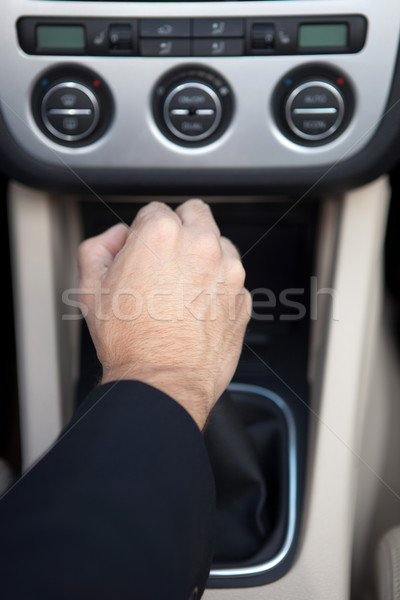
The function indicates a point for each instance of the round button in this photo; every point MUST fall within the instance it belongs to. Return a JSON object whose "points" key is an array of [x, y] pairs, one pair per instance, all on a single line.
{"points": [[192, 111], [315, 110], [70, 111]]}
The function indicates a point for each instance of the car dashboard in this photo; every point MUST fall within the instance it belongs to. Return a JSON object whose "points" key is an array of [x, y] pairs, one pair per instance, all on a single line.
{"points": [[173, 90], [284, 115]]}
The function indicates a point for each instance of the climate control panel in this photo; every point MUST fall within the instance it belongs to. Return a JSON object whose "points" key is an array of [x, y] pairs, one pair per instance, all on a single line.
{"points": [[193, 106], [197, 97]]}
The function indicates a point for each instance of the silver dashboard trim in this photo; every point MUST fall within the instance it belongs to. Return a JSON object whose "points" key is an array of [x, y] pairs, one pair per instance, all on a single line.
{"points": [[252, 140]]}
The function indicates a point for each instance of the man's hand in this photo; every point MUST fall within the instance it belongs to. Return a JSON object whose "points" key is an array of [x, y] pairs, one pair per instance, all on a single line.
{"points": [[165, 303]]}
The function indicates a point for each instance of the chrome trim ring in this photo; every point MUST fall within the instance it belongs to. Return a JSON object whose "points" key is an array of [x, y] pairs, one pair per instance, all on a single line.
{"points": [[218, 111], [317, 111], [72, 85]]}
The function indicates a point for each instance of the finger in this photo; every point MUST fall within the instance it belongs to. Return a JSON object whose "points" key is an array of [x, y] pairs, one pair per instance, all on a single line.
{"points": [[153, 211], [96, 254], [196, 213]]}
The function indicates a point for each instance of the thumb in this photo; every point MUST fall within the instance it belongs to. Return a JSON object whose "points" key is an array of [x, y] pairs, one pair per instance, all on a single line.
{"points": [[96, 254]]}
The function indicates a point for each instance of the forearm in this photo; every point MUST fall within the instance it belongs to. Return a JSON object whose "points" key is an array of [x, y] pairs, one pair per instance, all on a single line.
{"points": [[122, 504]]}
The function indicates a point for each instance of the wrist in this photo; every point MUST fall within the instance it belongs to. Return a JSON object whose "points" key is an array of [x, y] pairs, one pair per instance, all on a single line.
{"points": [[173, 383]]}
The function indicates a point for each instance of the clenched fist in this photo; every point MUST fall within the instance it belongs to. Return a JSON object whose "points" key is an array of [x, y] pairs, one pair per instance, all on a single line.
{"points": [[165, 303]]}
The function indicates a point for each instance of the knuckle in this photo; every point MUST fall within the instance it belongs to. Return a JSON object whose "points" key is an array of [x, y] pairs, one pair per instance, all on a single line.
{"points": [[208, 246], [161, 229], [200, 209], [149, 211], [165, 225], [156, 218], [197, 204]]}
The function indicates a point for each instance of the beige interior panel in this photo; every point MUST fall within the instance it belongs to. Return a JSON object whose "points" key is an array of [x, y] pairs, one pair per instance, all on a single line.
{"points": [[322, 568], [43, 239]]}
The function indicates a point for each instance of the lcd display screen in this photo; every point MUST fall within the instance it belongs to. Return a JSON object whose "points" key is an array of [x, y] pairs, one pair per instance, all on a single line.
{"points": [[60, 37], [323, 35]]}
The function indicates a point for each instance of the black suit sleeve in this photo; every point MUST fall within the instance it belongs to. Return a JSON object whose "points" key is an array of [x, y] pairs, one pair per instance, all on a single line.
{"points": [[121, 507]]}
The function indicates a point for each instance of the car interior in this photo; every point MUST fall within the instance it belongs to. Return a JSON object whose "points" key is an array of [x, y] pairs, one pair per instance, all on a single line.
{"points": [[283, 115]]}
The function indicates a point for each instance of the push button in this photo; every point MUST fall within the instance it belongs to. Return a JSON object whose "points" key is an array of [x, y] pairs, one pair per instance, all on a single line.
{"points": [[70, 124], [165, 47], [192, 106], [192, 97], [164, 28], [316, 97], [315, 110], [218, 28], [70, 111], [314, 124], [192, 125], [68, 97], [192, 111], [218, 47]]}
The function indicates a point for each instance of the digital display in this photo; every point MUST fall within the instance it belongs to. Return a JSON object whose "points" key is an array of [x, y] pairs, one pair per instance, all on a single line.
{"points": [[60, 37], [323, 35]]}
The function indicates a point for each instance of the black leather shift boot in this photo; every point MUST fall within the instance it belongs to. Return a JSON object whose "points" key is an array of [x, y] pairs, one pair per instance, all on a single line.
{"points": [[247, 443]]}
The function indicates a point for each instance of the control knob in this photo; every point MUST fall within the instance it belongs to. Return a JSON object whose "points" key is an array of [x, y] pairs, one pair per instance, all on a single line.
{"points": [[313, 104], [72, 105], [192, 106], [70, 111], [315, 110]]}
